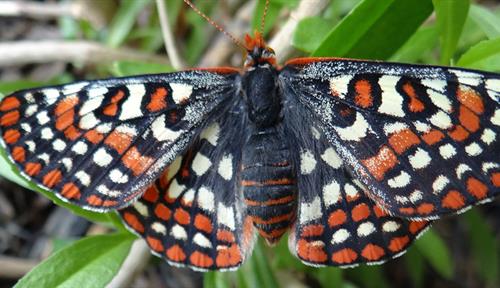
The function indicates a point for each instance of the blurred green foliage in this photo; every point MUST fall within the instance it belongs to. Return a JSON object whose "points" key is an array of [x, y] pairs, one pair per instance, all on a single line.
{"points": [[404, 31]]}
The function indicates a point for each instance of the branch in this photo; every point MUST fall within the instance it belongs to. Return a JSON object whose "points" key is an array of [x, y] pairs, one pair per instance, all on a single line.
{"points": [[173, 54], [28, 52], [222, 47], [281, 41], [135, 262], [14, 267]]}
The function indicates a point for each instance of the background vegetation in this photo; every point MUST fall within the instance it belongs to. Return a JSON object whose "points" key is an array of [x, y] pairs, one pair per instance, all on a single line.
{"points": [[460, 251]]}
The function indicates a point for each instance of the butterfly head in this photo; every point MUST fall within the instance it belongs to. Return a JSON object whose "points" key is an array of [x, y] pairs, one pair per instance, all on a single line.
{"points": [[258, 53]]}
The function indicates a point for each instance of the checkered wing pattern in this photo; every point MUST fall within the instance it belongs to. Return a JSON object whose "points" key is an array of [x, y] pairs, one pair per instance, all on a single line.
{"points": [[337, 224], [193, 215], [422, 140], [99, 144]]}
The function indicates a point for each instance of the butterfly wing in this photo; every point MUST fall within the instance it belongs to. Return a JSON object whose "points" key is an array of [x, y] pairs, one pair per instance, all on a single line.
{"points": [[99, 144], [337, 224], [194, 214], [423, 140]]}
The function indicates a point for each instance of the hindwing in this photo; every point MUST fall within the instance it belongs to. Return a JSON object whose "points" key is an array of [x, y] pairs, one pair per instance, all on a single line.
{"points": [[194, 214]]}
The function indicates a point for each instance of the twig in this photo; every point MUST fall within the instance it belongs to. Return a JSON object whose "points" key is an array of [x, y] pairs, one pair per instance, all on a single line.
{"points": [[28, 52], [48, 10], [173, 53], [281, 41], [135, 262], [14, 267], [222, 47]]}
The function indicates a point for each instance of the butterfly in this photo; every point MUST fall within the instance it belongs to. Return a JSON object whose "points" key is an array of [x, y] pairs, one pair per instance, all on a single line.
{"points": [[353, 158]]}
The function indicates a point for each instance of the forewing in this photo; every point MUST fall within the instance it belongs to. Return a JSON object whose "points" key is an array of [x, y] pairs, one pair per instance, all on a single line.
{"points": [[99, 144], [423, 140], [337, 224], [193, 215]]}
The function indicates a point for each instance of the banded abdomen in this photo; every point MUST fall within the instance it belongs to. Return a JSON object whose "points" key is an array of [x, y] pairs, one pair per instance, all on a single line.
{"points": [[268, 183]]}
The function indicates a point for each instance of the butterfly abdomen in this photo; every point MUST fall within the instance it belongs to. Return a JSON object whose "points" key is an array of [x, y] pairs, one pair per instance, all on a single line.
{"points": [[268, 183]]}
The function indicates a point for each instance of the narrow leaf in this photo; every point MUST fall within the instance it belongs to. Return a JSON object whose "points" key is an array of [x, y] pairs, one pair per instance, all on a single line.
{"points": [[124, 20], [420, 43], [486, 20], [485, 56], [309, 33], [128, 68], [375, 29], [434, 250], [483, 242], [451, 16], [89, 262]]}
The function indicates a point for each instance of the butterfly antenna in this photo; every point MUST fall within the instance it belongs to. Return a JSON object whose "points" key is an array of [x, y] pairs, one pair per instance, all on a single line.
{"points": [[263, 20], [213, 23]]}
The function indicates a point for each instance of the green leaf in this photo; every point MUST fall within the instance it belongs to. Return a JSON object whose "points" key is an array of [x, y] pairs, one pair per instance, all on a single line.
{"points": [[215, 279], [309, 33], [128, 68], [421, 42], [451, 16], [328, 276], [488, 21], [90, 262], [124, 20], [375, 29], [483, 242], [262, 269], [434, 250], [415, 267], [368, 276], [485, 56]]}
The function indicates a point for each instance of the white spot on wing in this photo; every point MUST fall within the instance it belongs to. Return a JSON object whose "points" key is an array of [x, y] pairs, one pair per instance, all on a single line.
{"points": [[402, 180], [83, 177], [340, 236], [392, 101], [200, 164], [488, 136], [201, 240], [390, 226], [394, 127], [118, 176], [58, 145], [420, 159], [175, 189], [91, 105], [178, 232], [331, 193], [365, 229], [356, 131], [440, 100], [461, 169], [102, 158], [205, 199], [141, 208], [307, 162], [181, 92], [225, 216], [310, 211], [225, 168], [51, 95], [473, 149], [88, 121], [211, 133], [469, 78], [161, 132], [80, 148], [159, 228], [339, 84], [331, 158], [47, 133], [435, 84], [439, 184], [447, 151], [131, 108], [42, 118], [441, 120]]}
